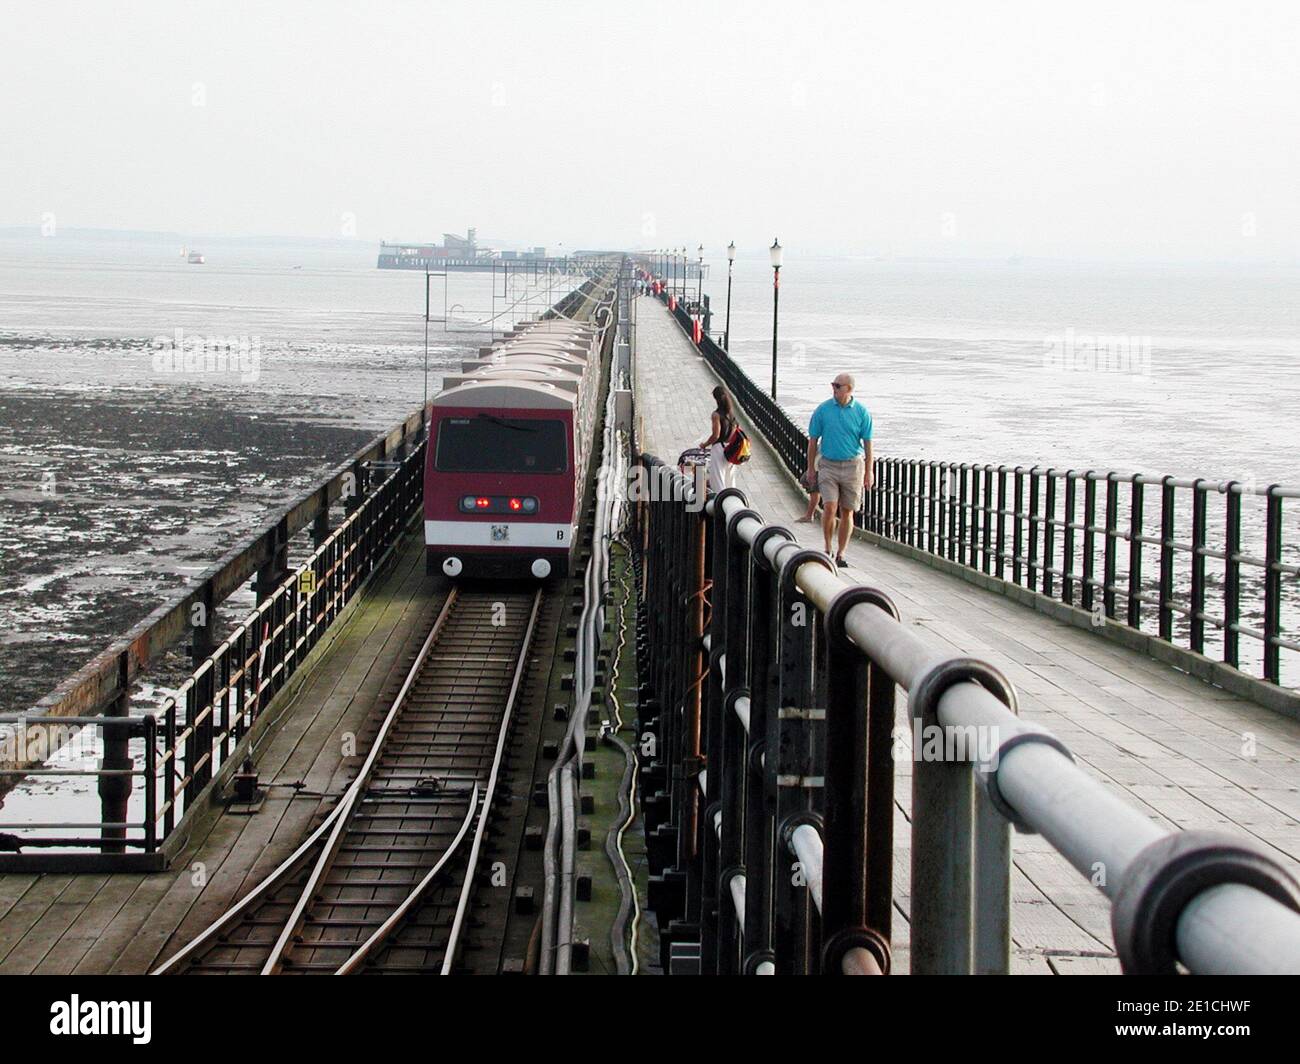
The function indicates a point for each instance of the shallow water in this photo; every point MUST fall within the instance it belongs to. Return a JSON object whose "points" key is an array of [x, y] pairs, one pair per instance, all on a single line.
{"points": [[122, 477]]}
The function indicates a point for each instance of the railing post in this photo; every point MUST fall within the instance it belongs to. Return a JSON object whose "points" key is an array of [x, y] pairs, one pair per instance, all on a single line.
{"points": [[694, 664], [986, 519], [913, 507], [271, 575], [792, 743], [760, 794], [203, 625], [1002, 522], [932, 505], [1088, 591], [1199, 532], [942, 850], [170, 796], [1166, 620], [1067, 537], [951, 505], [1049, 532], [1032, 568], [1273, 585], [962, 557], [1109, 574], [733, 741], [1017, 535], [150, 728], [715, 905], [115, 790], [857, 868], [1136, 523]]}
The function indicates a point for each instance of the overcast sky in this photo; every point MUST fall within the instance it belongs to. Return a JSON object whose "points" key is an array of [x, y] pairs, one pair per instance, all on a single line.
{"points": [[1152, 129]]}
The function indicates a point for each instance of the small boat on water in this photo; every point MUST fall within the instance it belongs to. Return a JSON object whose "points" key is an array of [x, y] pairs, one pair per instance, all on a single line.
{"points": [[196, 258]]}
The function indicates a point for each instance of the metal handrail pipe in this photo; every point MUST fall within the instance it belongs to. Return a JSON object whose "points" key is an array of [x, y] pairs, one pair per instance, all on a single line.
{"points": [[1095, 830], [806, 845], [859, 961], [1209, 933], [737, 888], [1225, 929], [1230, 928]]}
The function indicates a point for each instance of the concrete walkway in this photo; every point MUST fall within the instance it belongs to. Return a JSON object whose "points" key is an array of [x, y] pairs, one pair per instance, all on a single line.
{"points": [[1171, 744]]}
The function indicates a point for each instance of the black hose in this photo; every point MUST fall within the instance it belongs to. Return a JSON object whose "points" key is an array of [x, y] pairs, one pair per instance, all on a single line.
{"points": [[618, 934]]}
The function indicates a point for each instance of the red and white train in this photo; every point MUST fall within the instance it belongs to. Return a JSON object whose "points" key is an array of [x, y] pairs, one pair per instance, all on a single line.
{"points": [[510, 440]]}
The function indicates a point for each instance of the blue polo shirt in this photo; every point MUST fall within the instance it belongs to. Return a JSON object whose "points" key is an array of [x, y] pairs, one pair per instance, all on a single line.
{"points": [[841, 429]]}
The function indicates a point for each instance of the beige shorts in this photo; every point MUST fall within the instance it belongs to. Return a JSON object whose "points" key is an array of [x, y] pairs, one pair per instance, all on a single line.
{"points": [[841, 482]]}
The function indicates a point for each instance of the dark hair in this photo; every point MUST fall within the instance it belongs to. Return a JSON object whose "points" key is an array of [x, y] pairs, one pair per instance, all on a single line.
{"points": [[724, 402]]}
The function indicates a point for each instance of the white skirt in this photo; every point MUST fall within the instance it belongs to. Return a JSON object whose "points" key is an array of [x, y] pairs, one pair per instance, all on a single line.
{"points": [[722, 474]]}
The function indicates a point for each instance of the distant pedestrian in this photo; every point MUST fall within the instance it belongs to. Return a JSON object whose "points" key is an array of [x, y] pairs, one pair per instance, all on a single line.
{"points": [[721, 472], [840, 431]]}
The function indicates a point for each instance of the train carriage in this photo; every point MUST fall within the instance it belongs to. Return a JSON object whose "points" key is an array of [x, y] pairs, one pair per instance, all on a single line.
{"points": [[509, 444]]}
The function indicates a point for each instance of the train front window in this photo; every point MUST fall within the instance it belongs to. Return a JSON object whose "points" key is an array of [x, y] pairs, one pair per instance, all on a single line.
{"points": [[491, 444]]}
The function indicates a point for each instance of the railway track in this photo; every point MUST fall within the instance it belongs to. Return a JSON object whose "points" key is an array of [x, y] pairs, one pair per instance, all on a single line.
{"points": [[383, 885]]}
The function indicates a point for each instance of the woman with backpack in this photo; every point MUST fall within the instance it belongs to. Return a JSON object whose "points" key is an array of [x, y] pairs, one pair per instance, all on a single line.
{"points": [[722, 472]]}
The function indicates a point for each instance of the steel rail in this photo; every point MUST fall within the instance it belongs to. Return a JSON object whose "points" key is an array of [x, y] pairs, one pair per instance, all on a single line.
{"points": [[381, 933], [292, 862], [507, 715], [326, 859]]}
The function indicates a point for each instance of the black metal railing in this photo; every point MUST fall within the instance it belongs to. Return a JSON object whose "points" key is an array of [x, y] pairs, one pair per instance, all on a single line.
{"points": [[1197, 564], [174, 755], [767, 707]]}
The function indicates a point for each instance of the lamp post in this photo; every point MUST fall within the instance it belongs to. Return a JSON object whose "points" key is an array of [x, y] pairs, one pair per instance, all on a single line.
{"points": [[699, 278], [775, 253], [681, 288], [731, 261]]}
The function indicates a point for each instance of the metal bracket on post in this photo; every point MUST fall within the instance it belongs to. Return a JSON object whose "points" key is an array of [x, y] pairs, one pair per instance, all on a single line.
{"points": [[1165, 876], [758, 547]]}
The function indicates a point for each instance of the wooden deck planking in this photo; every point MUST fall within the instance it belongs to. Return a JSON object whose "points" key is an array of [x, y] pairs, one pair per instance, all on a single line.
{"points": [[122, 923]]}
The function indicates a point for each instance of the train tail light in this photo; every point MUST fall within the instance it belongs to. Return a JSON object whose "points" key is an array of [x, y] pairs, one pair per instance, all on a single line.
{"points": [[516, 504]]}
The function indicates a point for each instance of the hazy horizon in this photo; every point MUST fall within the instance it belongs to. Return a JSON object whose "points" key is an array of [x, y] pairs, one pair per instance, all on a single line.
{"points": [[1165, 133]]}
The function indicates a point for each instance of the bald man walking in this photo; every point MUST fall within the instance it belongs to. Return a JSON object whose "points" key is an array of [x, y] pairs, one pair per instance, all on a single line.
{"points": [[841, 429]]}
